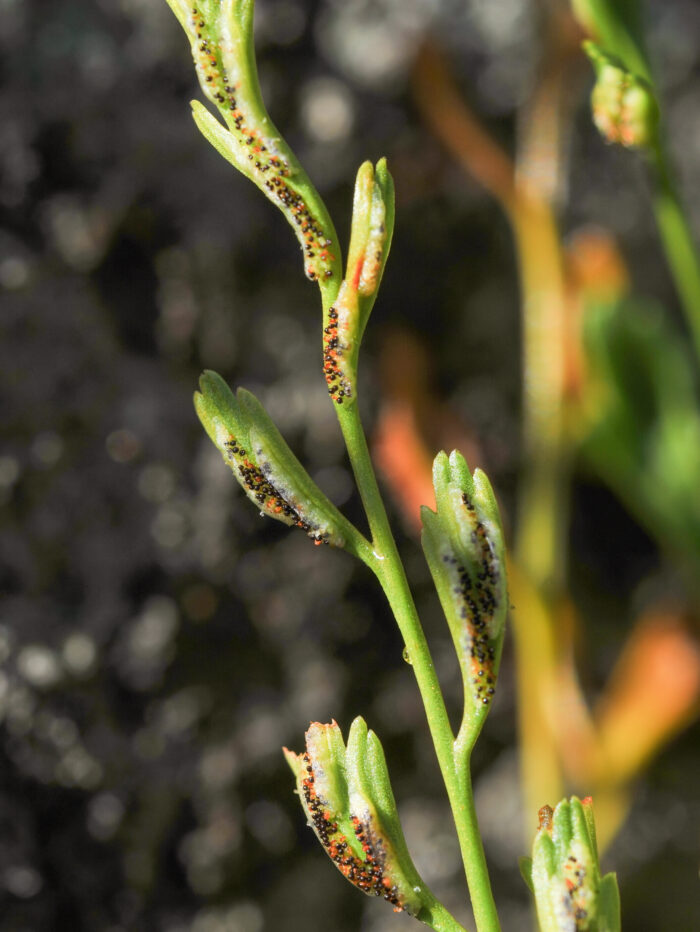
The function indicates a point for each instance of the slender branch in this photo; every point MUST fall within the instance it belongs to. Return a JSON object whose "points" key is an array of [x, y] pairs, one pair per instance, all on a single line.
{"points": [[391, 575], [221, 37]]}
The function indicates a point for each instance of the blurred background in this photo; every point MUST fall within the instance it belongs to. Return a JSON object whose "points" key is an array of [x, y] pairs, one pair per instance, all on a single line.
{"points": [[159, 641]]}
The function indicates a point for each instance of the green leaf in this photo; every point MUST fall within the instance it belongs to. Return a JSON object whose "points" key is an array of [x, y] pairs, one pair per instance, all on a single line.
{"points": [[643, 437], [361, 208], [348, 801], [463, 544], [221, 414], [525, 865], [345, 319], [609, 904], [267, 470], [284, 471], [587, 807], [565, 873], [221, 39], [219, 137], [617, 25], [326, 751]]}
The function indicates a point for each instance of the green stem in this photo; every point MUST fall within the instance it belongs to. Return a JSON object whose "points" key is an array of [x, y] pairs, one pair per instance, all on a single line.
{"points": [[391, 575], [678, 244], [473, 850]]}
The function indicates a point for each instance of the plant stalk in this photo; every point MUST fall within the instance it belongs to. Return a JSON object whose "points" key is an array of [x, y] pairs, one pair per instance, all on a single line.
{"points": [[391, 575]]}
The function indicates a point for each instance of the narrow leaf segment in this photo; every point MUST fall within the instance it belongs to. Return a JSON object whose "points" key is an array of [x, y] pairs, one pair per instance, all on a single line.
{"points": [[221, 38], [565, 876], [463, 543], [347, 797], [271, 476], [345, 320]]}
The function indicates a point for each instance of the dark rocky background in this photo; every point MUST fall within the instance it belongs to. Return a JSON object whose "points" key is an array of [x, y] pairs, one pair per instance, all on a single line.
{"points": [[159, 642]]}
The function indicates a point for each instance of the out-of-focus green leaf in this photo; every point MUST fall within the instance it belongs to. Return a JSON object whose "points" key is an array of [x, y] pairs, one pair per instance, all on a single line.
{"points": [[617, 25], [644, 436]]}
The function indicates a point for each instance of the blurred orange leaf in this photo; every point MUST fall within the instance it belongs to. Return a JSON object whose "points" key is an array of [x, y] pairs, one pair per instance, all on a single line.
{"points": [[653, 692]]}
